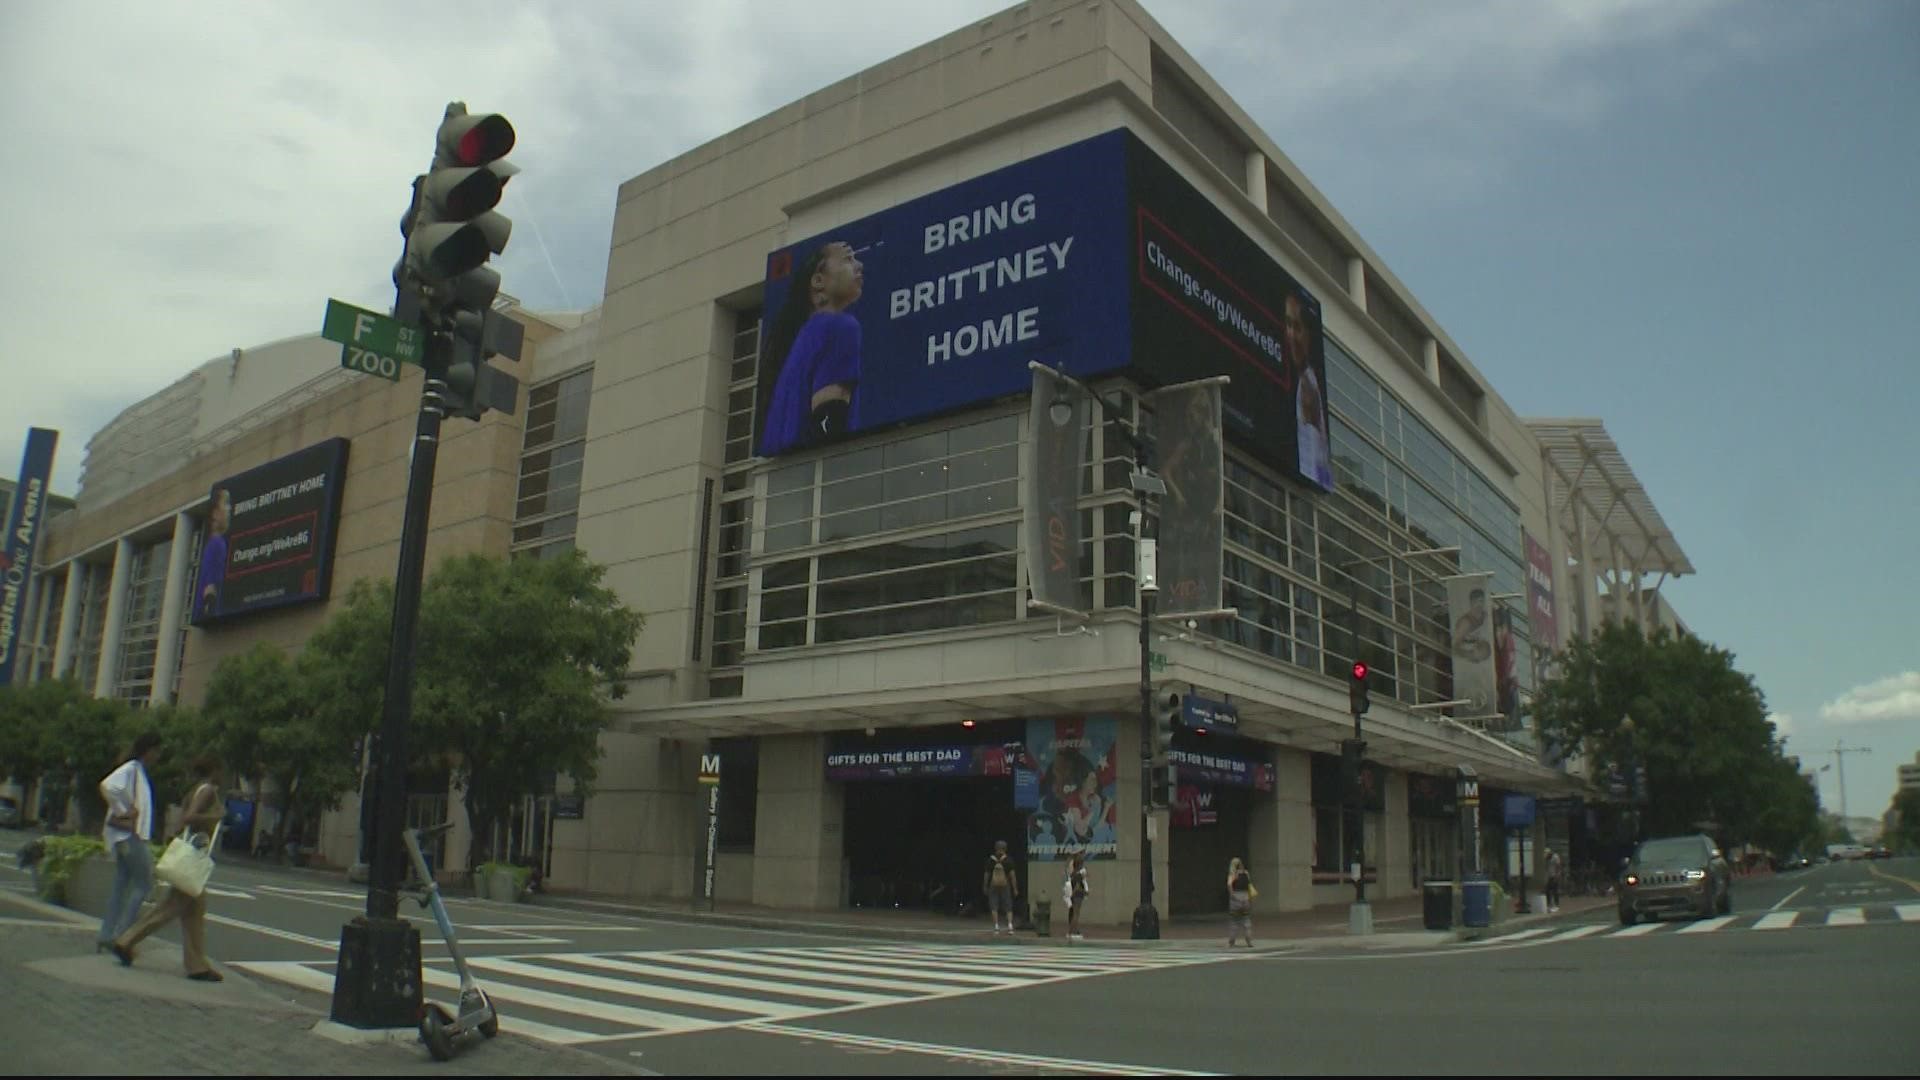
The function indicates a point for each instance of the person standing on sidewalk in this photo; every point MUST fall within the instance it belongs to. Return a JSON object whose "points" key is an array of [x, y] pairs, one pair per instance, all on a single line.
{"points": [[1240, 894], [1075, 890], [128, 791], [1555, 870], [201, 811], [1002, 887]]}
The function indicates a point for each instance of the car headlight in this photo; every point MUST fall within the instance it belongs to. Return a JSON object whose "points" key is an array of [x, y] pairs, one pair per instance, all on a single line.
{"points": [[1633, 879], [1696, 875]]}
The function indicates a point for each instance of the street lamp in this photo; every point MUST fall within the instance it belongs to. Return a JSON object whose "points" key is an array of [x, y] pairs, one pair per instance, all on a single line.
{"points": [[1146, 920]]}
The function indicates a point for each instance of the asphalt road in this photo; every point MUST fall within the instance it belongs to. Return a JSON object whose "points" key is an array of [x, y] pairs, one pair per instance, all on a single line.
{"points": [[1793, 983]]}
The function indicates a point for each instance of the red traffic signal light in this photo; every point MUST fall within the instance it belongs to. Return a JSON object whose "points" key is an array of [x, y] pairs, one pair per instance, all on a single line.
{"points": [[1359, 670]]}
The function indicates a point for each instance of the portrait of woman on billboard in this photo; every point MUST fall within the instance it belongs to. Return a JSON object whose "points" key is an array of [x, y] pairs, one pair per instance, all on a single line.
{"points": [[811, 355], [1310, 401], [213, 554]]}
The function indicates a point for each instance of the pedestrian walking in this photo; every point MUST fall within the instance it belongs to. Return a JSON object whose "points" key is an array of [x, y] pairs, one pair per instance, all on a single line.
{"points": [[1240, 896], [1555, 871], [1074, 891], [1002, 887], [128, 791], [200, 812]]}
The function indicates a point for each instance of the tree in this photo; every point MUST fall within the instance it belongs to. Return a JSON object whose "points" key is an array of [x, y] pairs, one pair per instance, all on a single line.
{"points": [[523, 654], [1904, 836], [29, 714], [514, 665], [279, 724], [1699, 730]]}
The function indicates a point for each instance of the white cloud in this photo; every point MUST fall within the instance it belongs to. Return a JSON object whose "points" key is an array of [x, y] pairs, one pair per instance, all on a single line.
{"points": [[1896, 697], [177, 186], [1782, 724]]}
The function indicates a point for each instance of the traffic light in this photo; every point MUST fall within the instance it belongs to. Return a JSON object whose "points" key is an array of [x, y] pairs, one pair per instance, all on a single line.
{"points": [[453, 228], [473, 386], [1352, 753], [1163, 782], [1357, 689], [1166, 714]]}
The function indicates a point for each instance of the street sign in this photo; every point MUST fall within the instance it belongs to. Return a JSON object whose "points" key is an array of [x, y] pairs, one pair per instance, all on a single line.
{"points": [[1519, 811], [1157, 660], [1202, 713], [371, 342], [373, 332]]}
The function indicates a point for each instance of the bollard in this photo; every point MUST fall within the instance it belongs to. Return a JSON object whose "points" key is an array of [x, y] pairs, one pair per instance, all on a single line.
{"points": [[1043, 917]]}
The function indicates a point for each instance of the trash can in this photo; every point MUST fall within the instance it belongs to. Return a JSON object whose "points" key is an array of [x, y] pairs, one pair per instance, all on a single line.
{"points": [[1476, 902], [1436, 904]]}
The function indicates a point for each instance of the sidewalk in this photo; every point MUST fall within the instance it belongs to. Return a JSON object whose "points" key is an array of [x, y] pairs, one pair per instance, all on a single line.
{"points": [[1397, 924], [66, 1010]]}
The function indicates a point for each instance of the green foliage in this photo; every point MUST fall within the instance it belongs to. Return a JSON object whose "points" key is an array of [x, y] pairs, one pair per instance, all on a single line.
{"points": [[60, 854], [514, 663], [1700, 730], [1904, 837], [283, 725], [521, 874]]}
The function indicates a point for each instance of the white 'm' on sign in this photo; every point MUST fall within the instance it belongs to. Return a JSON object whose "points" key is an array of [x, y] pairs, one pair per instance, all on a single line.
{"points": [[710, 764]]}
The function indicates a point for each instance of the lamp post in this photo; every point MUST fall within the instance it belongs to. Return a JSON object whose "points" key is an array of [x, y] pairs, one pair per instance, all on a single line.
{"points": [[1146, 920]]}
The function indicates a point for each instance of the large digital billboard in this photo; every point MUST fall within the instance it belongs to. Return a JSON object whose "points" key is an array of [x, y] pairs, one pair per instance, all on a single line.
{"points": [[269, 534], [1206, 300], [941, 302], [1096, 258]]}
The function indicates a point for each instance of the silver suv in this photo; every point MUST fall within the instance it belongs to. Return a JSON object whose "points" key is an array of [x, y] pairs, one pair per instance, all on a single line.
{"points": [[1675, 873]]}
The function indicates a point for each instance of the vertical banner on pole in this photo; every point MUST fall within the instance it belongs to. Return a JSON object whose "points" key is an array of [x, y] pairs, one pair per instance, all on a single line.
{"points": [[17, 546], [1187, 420], [1051, 500], [1470, 629]]}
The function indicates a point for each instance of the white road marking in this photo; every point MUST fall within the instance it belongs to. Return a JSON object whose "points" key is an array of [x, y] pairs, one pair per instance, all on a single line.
{"points": [[1707, 926], [672, 995], [1636, 931], [1908, 912], [1846, 916], [274, 931], [1779, 920], [1518, 936], [1580, 932], [298, 974], [1789, 896], [772, 986], [992, 1057], [234, 893]]}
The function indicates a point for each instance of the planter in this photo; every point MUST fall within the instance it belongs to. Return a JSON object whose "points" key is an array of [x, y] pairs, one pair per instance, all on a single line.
{"points": [[504, 885], [481, 886], [89, 885]]}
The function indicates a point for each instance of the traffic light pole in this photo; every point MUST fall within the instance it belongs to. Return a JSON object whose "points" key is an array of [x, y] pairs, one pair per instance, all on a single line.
{"points": [[377, 983], [1146, 919], [1360, 916]]}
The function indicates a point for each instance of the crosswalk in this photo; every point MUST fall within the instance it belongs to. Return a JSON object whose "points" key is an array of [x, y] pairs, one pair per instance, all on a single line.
{"points": [[1863, 915], [586, 997]]}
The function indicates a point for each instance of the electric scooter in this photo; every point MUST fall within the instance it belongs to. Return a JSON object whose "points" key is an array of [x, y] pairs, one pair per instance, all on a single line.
{"points": [[439, 1028]]}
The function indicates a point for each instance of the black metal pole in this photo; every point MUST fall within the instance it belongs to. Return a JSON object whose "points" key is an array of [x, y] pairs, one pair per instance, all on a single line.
{"points": [[1146, 920], [377, 983], [1357, 800]]}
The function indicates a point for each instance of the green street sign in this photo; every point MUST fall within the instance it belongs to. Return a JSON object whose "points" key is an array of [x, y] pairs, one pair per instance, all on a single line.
{"points": [[372, 332], [354, 358], [1157, 661]]}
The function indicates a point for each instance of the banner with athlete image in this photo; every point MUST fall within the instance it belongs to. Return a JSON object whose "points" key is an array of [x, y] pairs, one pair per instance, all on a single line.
{"points": [[1079, 778], [1470, 631], [1050, 503], [1186, 421]]}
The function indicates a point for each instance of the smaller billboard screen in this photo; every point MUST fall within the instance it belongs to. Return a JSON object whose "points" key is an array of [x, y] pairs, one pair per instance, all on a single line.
{"points": [[269, 534]]}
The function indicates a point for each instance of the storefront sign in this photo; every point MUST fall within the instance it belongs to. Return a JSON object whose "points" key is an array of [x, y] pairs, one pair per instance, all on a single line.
{"points": [[569, 807], [1193, 807], [1222, 768], [1520, 811], [908, 762], [1207, 714], [1078, 806]]}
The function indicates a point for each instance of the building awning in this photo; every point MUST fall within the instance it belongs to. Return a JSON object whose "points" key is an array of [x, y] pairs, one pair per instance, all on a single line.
{"points": [[1585, 468]]}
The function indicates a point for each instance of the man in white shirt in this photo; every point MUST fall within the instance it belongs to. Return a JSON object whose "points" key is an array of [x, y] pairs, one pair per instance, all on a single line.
{"points": [[131, 814]]}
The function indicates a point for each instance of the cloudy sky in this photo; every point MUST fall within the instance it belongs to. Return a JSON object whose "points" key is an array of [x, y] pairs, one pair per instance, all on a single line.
{"points": [[1695, 220]]}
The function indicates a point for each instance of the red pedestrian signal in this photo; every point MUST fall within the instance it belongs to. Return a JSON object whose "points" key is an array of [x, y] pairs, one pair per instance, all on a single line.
{"points": [[1357, 701], [1359, 670]]}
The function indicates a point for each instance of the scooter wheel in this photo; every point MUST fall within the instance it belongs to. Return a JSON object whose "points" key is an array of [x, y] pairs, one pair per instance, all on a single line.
{"points": [[490, 1026], [433, 1032]]}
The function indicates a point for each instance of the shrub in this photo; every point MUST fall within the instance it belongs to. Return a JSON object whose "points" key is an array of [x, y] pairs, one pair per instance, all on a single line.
{"points": [[59, 855]]}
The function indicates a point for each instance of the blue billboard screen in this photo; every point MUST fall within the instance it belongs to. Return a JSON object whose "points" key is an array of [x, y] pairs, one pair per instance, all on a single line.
{"points": [[1096, 258], [941, 302]]}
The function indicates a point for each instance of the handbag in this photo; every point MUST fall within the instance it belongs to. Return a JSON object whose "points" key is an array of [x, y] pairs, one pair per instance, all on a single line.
{"points": [[186, 865]]}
